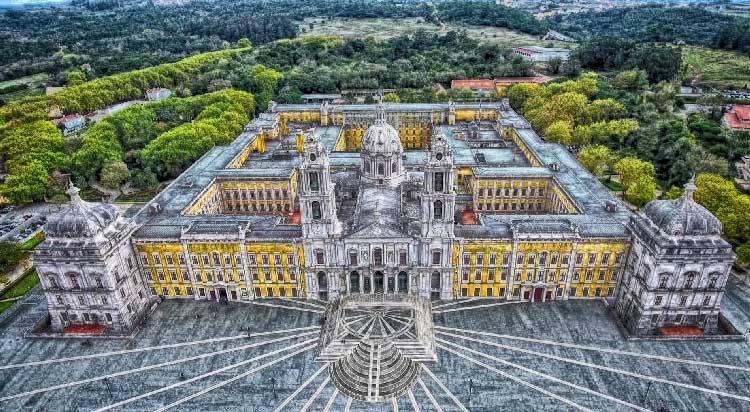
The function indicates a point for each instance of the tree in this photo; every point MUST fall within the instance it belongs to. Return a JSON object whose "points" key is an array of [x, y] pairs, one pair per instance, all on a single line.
{"points": [[595, 159], [244, 42], [114, 174], [674, 192], [559, 132], [554, 65], [638, 174], [642, 191], [391, 98], [632, 80], [26, 184], [10, 256], [75, 78]]}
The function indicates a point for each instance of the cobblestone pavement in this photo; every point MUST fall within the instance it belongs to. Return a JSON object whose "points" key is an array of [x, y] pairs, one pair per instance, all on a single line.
{"points": [[705, 376]]}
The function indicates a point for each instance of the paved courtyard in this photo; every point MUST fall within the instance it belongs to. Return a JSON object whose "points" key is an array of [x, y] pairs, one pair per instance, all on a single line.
{"points": [[516, 363]]}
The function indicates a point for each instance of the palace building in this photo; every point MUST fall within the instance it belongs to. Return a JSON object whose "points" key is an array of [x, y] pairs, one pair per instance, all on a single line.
{"points": [[439, 201]]}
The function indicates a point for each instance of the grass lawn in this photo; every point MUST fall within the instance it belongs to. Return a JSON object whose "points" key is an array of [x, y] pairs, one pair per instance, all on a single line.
{"points": [[612, 185], [34, 87], [30, 280], [143, 196], [382, 28], [718, 68], [33, 242]]}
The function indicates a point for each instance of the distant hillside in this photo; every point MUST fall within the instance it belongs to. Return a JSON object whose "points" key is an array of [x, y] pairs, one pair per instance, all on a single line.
{"points": [[693, 25]]}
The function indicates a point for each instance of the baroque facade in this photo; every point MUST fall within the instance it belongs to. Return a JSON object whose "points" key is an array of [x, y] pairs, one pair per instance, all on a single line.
{"points": [[442, 201]]}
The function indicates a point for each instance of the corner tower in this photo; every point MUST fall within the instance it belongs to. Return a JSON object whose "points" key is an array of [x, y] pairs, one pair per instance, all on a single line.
{"points": [[88, 271], [676, 270]]}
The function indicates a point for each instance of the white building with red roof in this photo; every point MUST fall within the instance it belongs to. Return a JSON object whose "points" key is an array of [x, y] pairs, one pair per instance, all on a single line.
{"points": [[738, 118]]}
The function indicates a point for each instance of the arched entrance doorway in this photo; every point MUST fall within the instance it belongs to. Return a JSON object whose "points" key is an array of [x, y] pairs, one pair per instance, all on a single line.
{"points": [[435, 285], [403, 282], [379, 281], [354, 286], [322, 286]]}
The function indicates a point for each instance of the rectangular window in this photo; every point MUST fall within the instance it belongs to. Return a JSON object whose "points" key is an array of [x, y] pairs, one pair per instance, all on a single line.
{"points": [[168, 257], [353, 258], [264, 259], [204, 258], [436, 258], [176, 291], [319, 258], [491, 275], [618, 257], [592, 258], [579, 258], [164, 291], [572, 292], [683, 300], [467, 259], [478, 275], [144, 259], [189, 291], [290, 259], [480, 259], [465, 275], [402, 258], [157, 259], [493, 258], [251, 258], [506, 258], [476, 292], [605, 258]]}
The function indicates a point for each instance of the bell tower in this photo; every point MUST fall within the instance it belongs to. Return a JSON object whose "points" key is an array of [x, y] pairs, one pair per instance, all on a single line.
{"points": [[320, 224], [439, 196], [317, 191]]}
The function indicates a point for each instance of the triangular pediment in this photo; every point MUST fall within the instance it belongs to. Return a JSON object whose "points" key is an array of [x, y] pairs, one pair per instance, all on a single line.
{"points": [[376, 230]]}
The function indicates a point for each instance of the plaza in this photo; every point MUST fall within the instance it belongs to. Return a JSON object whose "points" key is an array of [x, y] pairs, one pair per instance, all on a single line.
{"points": [[543, 338]]}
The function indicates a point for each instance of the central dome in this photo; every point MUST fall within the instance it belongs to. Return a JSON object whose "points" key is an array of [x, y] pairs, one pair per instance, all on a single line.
{"points": [[381, 137]]}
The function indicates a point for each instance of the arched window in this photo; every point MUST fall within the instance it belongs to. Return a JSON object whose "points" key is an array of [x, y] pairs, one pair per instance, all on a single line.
{"points": [[689, 278], [316, 213], [394, 168], [74, 281], [322, 281], [354, 282], [403, 282], [435, 281], [543, 258], [437, 211], [52, 281], [663, 280]]}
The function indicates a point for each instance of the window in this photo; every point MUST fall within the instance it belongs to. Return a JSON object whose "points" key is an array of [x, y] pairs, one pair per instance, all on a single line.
{"points": [[683, 300], [601, 275], [519, 260], [437, 210], [181, 258], [689, 280], [81, 300], [381, 169], [316, 213], [194, 259], [377, 256], [290, 259], [52, 281], [553, 260], [480, 259], [436, 257], [615, 274], [592, 258], [144, 259], [712, 283], [264, 259], [565, 259], [189, 291], [267, 276], [532, 258], [439, 182], [402, 260], [216, 258], [663, 279], [173, 275], [605, 259], [579, 258], [658, 300], [204, 258], [491, 275], [543, 258], [157, 259], [394, 168], [493, 258], [60, 300], [506, 258], [255, 277], [467, 259], [227, 259], [314, 181], [618, 258], [589, 275], [707, 301], [177, 291], [465, 275], [251, 258], [478, 275], [319, 257], [238, 259], [74, 281]]}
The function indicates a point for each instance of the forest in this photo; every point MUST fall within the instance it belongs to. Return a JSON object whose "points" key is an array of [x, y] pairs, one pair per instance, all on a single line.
{"points": [[105, 38], [691, 25]]}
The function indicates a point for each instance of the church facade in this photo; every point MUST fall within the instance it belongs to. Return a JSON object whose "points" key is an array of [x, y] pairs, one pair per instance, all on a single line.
{"points": [[444, 201]]}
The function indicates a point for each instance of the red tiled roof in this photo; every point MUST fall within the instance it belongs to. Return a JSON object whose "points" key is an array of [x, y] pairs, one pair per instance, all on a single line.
{"points": [[742, 112], [734, 122], [680, 331], [294, 218], [85, 329], [468, 217], [513, 80], [473, 84]]}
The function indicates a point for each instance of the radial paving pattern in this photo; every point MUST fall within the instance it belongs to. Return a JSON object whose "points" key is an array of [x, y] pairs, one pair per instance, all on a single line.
{"points": [[262, 357]]}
